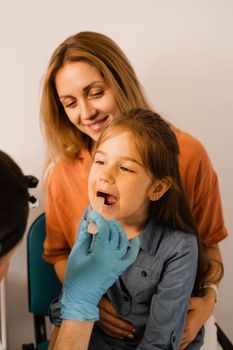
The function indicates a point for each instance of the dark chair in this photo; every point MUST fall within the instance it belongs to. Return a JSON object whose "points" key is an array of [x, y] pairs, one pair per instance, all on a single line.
{"points": [[222, 339], [43, 284]]}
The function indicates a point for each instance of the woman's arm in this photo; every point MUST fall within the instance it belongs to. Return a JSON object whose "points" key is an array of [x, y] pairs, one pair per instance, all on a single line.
{"points": [[111, 323], [60, 269], [66, 200], [201, 308], [203, 194]]}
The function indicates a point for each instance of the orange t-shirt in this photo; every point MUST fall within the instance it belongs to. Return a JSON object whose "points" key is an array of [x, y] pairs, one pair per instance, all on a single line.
{"points": [[67, 197]]}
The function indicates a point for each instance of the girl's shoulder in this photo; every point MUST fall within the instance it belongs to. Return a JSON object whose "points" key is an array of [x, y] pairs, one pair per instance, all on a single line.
{"points": [[160, 238], [177, 235], [177, 244]]}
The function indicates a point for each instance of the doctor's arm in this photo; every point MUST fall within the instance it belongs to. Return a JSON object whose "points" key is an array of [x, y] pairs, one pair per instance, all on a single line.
{"points": [[90, 272]]}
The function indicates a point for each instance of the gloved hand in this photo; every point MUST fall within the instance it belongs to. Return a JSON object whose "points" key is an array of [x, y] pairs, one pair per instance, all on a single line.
{"points": [[90, 273]]}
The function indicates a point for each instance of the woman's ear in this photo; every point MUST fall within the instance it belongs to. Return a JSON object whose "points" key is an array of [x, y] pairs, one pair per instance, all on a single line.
{"points": [[159, 188]]}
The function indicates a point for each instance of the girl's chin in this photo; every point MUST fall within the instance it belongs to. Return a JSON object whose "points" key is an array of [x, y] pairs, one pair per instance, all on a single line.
{"points": [[109, 215]]}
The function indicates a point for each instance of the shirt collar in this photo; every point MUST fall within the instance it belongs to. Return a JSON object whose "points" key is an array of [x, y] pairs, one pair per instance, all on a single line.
{"points": [[151, 237]]}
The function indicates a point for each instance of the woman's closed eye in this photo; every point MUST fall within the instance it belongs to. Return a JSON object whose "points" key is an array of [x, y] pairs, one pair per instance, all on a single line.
{"points": [[126, 169], [95, 94], [70, 105]]}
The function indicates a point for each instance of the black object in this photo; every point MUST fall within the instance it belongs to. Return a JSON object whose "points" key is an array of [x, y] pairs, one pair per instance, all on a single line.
{"points": [[225, 343], [43, 284]]}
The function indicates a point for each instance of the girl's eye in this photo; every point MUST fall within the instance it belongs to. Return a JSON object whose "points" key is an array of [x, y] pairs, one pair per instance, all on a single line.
{"points": [[123, 168], [100, 162]]}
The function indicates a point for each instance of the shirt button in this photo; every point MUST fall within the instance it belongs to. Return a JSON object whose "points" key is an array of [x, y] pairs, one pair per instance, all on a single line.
{"points": [[173, 338], [125, 298], [144, 273]]}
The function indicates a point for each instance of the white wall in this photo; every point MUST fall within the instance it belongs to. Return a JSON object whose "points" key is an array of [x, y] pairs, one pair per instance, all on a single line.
{"points": [[182, 51]]}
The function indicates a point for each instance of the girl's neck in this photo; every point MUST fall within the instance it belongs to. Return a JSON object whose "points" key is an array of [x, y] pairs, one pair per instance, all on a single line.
{"points": [[133, 231]]}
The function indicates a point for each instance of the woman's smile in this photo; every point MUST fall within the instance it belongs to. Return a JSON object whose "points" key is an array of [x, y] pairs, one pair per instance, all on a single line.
{"points": [[87, 100], [97, 125]]}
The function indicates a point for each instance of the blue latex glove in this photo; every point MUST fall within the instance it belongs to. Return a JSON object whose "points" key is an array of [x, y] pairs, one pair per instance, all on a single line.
{"points": [[90, 273]]}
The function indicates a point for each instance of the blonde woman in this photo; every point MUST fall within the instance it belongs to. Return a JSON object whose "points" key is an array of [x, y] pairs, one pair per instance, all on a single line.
{"points": [[90, 82]]}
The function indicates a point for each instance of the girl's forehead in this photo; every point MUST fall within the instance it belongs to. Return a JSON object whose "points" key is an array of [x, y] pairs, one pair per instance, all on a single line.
{"points": [[114, 135], [122, 144]]}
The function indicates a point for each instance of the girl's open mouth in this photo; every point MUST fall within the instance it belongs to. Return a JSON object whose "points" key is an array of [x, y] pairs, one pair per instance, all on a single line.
{"points": [[109, 199]]}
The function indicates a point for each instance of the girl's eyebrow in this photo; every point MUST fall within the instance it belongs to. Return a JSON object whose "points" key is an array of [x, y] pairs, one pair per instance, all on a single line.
{"points": [[85, 89], [122, 157]]}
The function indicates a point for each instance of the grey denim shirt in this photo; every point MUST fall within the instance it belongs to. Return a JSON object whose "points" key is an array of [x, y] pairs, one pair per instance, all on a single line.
{"points": [[153, 293]]}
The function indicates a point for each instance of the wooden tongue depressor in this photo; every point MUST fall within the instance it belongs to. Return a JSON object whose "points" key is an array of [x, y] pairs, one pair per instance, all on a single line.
{"points": [[98, 206]]}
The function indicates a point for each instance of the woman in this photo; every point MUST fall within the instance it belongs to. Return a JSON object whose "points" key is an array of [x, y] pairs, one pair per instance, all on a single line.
{"points": [[89, 82]]}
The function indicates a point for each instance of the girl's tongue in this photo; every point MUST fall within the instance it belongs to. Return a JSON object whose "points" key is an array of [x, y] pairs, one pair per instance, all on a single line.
{"points": [[109, 199]]}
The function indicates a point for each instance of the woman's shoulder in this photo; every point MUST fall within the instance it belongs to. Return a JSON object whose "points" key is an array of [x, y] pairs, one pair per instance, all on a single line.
{"points": [[69, 168], [190, 146], [195, 164], [68, 174]]}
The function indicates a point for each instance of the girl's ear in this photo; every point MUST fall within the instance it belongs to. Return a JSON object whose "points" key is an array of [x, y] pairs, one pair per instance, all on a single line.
{"points": [[159, 188]]}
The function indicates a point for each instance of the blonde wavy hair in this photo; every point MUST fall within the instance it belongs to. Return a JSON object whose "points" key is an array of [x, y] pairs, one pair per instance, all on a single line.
{"points": [[64, 140]]}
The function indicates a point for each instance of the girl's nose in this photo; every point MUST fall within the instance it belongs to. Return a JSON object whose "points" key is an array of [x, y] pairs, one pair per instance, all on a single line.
{"points": [[107, 176]]}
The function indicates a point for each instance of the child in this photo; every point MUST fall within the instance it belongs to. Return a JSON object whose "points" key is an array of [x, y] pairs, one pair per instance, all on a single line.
{"points": [[136, 171]]}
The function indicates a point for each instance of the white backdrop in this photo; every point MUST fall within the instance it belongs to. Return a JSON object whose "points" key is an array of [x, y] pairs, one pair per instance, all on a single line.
{"points": [[182, 51]]}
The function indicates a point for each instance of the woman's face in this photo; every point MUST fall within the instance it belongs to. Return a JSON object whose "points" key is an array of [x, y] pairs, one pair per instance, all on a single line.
{"points": [[87, 100]]}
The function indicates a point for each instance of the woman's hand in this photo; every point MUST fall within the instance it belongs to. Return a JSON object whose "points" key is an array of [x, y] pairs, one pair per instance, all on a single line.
{"points": [[111, 323], [200, 309]]}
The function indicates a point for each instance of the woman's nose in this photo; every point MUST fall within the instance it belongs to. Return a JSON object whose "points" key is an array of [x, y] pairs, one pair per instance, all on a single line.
{"points": [[87, 110]]}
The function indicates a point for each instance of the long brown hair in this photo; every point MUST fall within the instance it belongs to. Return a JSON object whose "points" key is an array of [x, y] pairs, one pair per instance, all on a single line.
{"points": [[158, 148], [63, 138]]}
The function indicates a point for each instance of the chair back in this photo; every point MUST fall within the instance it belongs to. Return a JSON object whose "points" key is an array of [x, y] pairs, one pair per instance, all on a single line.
{"points": [[43, 284]]}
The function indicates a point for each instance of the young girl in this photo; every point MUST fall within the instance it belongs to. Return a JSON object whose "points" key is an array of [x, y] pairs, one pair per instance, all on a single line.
{"points": [[88, 84], [135, 170]]}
